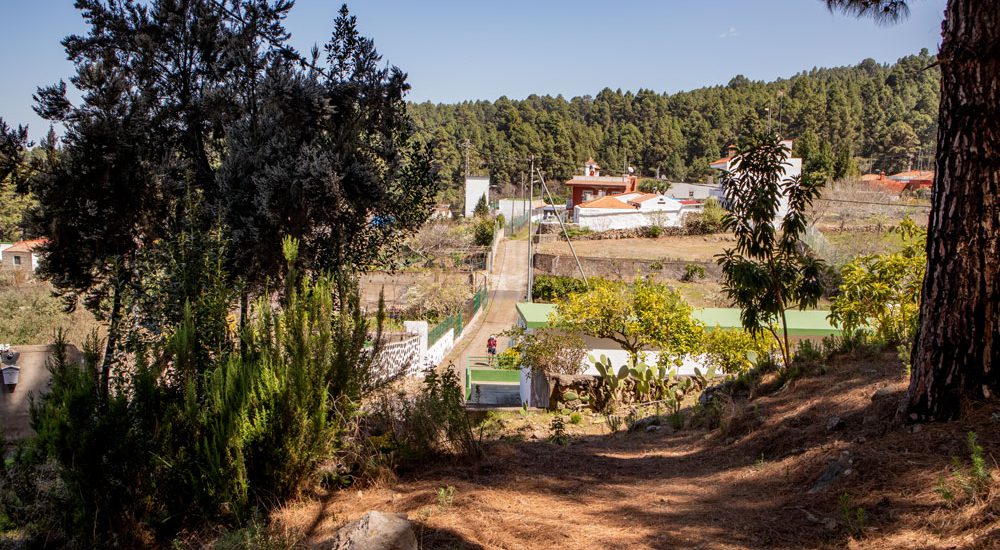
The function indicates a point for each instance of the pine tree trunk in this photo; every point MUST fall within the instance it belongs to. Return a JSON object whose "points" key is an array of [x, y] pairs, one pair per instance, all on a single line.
{"points": [[957, 351], [112, 343]]}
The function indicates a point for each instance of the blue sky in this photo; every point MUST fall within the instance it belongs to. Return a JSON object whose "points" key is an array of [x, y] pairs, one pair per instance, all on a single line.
{"points": [[455, 50]]}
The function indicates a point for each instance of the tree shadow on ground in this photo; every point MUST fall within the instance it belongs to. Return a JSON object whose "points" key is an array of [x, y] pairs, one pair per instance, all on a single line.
{"points": [[774, 482]]}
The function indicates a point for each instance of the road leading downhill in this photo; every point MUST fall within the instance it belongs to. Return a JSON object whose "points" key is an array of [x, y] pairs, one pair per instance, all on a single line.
{"points": [[507, 287]]}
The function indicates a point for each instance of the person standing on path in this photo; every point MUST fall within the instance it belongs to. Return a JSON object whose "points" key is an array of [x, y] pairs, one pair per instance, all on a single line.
{"points": [[491, 348]]}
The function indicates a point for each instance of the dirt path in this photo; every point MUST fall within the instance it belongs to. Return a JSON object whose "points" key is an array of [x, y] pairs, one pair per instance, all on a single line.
{"points": [[773, 476], [508, 286]]}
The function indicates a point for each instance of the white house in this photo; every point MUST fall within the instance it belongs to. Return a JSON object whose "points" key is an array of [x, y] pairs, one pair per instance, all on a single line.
{"points": [[792, 169], [22, 256], [476, 187], [629, 211], [691, 191]]}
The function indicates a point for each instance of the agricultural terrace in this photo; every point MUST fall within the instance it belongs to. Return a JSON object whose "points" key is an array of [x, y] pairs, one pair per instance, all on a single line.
{"points": [[692, 248]]}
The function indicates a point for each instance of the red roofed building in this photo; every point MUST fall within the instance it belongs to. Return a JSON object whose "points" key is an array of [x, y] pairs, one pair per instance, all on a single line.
{"points": [[22, 255], [910, 180], [592, 185], [915, 179], [881, 181]]}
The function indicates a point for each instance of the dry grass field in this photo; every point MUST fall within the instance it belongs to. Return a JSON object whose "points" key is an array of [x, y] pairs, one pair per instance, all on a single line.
{"points": [[691, 248]]}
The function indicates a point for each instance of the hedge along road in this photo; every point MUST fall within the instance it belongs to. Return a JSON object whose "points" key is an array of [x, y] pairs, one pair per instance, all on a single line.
{"points": [[508, 286]]}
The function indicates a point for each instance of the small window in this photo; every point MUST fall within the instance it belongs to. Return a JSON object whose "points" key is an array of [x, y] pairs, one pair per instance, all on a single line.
{"points": [[691, 193], [17, 260]]}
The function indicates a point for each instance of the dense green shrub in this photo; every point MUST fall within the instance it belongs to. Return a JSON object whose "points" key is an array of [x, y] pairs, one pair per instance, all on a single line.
{"points": [[880, 293], [483, 231], [549, 351], [509, 358], [653, 185], [195, 428], [434, 422], [482, 209], [733, 351], [709, 220], [692, 272], [575, 231], [549, 288]]}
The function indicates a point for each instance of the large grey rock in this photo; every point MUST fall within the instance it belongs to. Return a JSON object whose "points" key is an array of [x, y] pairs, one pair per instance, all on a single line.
{"points": [[376, 531]]}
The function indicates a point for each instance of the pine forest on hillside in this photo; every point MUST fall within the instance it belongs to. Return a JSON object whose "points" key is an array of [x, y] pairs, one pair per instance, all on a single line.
{"points": [[882, 116]]}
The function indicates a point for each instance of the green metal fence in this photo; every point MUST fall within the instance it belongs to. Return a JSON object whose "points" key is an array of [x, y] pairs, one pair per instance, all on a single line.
{"points": [[452, 322], [479, 299], [457, 321], [517, 222]]}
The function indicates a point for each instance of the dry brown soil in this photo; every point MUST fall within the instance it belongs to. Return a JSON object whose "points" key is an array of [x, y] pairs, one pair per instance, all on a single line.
{"points": [[693, 248], [755, 483]]}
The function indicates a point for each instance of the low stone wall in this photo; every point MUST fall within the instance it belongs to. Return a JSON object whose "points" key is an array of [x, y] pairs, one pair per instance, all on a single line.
{"points": [[620, 269], [400, 356], [552, 231]]}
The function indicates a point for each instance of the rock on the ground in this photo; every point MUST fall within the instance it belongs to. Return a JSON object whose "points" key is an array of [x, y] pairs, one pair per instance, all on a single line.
{"points": [[834, 423], [834, 469], [376, 531]]}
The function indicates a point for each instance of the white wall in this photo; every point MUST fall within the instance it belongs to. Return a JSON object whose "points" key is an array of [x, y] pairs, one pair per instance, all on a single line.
{"points": [[436, 353], [682, 191], [512, 208], [420, 329], [475, 187], [525, 388], [429, 356], [601, 219], [792, 168]]}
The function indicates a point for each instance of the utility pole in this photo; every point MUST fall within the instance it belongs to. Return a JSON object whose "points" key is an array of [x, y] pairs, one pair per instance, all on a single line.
{"points": [[781, 95], [531, 200], [770, 107], [465, 145], [562, 225]]}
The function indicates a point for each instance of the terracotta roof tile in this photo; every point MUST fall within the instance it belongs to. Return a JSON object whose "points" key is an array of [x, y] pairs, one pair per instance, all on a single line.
{"points": [[607, 202], [26, 246], [645, 197]]}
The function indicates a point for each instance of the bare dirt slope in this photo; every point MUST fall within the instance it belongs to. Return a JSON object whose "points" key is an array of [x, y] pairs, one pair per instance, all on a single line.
{"points": [[508, 286], [772, 477]]}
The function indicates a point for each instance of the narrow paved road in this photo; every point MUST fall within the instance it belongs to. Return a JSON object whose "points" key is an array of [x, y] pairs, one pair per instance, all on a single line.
{"points": [[508, 286]]}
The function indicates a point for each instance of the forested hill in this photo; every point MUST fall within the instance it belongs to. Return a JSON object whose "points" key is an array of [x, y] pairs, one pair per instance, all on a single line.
{"points": [[868, 116]]}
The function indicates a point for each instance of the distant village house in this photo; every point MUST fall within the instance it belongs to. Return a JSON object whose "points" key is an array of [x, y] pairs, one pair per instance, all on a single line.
{"points": [[592, 185], [633, 210], [22, 256], [792, 169]]}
